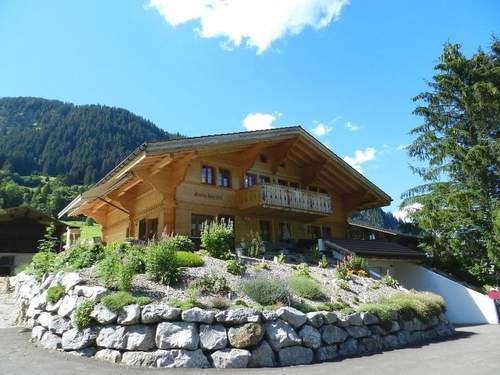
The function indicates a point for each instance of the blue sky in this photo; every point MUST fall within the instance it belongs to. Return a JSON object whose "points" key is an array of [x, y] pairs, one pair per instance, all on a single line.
{"points": [[344, 69]]}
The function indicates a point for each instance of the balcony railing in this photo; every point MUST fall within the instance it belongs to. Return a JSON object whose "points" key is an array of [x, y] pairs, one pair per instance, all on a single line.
{"points": [[284, 197]]}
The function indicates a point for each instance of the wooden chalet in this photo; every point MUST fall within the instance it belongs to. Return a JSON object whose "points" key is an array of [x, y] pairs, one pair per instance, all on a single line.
{"points": [[282, 183]]}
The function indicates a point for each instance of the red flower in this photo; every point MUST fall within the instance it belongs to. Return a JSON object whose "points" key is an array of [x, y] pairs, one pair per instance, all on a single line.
{"points": [[494, 294]]}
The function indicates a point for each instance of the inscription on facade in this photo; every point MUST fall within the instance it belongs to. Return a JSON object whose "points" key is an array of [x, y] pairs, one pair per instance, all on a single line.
{"points": [[217, 197]]}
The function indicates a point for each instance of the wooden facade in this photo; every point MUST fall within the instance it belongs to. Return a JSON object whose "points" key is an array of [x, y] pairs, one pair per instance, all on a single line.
{"points": [[282, 183]]}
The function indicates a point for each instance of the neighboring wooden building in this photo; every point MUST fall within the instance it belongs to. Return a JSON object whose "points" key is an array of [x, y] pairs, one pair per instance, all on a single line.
{"points": [[282, 183], [362, 231], [21, 228]]}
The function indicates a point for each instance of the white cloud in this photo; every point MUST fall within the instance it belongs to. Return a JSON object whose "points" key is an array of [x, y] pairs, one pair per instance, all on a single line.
{"points": [[403, 213], [352, 127], [401, 147], [321, 129], [256, 23], [259, 121], [360, 157]]}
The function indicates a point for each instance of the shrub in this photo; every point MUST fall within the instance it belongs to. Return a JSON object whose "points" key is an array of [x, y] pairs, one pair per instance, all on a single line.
{"points": [[55, 293], [49, 243], [255, 245], [42, 262], [81, 318], [162, 263], [337, 305], [265, 290], [184, 304], [240, 302], [119, 266], [188, 259], [351, 265], [305, 287], [323, 263], [390, 281], [423, 305], [211, 284], [78, 257], [235, 267], [180, 243], [382, 311], [116, 301], [217, 238]]}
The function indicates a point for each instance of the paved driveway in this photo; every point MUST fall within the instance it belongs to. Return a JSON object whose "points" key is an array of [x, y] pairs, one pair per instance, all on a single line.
{"points": [[475, 350]]}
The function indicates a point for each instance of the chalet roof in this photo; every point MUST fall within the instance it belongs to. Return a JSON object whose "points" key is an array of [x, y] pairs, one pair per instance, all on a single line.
{"points": [[8, 214], [150, 152], [379, 249]]}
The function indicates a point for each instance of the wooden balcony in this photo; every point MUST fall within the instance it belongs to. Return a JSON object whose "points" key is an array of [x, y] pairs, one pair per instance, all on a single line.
{"points": [[283, 198]]}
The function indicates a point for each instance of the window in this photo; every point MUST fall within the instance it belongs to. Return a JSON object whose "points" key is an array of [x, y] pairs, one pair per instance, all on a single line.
{"points": [[285, 233], [142, 229], [207, 175], [323, 191], [197, 222], [263, 158], [371, 236], [250, 180], [224, 178], [294, 185], [265, 230], [264, 179]]}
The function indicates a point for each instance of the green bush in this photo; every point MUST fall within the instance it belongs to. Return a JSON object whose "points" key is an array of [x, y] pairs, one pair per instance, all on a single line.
{"points": [[337, 305], [280, 258], [180, 243], [219, 303], [261, 266], [305, 287], [314, 254], [211, 284], [78, 257], [351, 265], [184, 304], [408, 304], [42, 262], [119, 266], [343, 284], [265, 290], [81, 318], [390, 281], [50, 242], [162, 263], [55, 293], [24, 267], [235, 267], [188, 259], [116, 301], [255, 245], [217, 239]]}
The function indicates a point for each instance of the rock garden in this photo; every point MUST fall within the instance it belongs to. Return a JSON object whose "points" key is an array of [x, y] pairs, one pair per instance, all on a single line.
{"points": [[165, 305]]}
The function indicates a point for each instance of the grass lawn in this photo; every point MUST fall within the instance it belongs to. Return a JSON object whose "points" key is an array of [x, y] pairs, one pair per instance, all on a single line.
{"points": [[87, 232]]}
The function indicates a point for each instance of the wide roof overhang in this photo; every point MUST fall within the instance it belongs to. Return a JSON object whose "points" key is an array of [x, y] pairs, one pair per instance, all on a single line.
{"points": [[299, 146]]}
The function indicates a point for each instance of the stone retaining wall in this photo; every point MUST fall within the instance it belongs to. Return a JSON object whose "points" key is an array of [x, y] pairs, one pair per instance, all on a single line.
{"points": [[158, 335]]}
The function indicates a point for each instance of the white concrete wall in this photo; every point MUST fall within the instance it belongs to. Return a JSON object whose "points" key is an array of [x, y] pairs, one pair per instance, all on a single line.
{"points": [[465, 305]]}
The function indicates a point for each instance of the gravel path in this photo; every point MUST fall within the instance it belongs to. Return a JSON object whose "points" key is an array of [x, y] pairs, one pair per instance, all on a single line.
{"points": [[7, 305]]}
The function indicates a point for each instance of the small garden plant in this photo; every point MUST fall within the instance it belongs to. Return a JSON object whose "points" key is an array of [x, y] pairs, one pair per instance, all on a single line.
{"points": [[188, 259], [119, 266], [306, 287], [351, 265], [255, 245], [217, 238], [211, 284], [55, 293], [81, 317], [265, 290], [323, 262], [235, 267], [180, 242], [162, 264], [116, 301]]}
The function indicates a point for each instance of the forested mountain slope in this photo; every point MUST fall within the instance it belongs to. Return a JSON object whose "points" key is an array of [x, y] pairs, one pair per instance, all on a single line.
{"points": [[79, 143]]}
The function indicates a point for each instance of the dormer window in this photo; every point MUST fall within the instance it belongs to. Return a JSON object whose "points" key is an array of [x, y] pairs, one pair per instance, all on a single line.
{"points": [[207, 175]]}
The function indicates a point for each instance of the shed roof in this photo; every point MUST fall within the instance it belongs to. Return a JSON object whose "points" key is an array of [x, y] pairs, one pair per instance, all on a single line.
{"points": [[379, 249]]}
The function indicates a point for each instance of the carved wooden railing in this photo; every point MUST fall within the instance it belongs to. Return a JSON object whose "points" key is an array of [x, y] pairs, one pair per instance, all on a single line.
{"points": [[278, 196]]}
